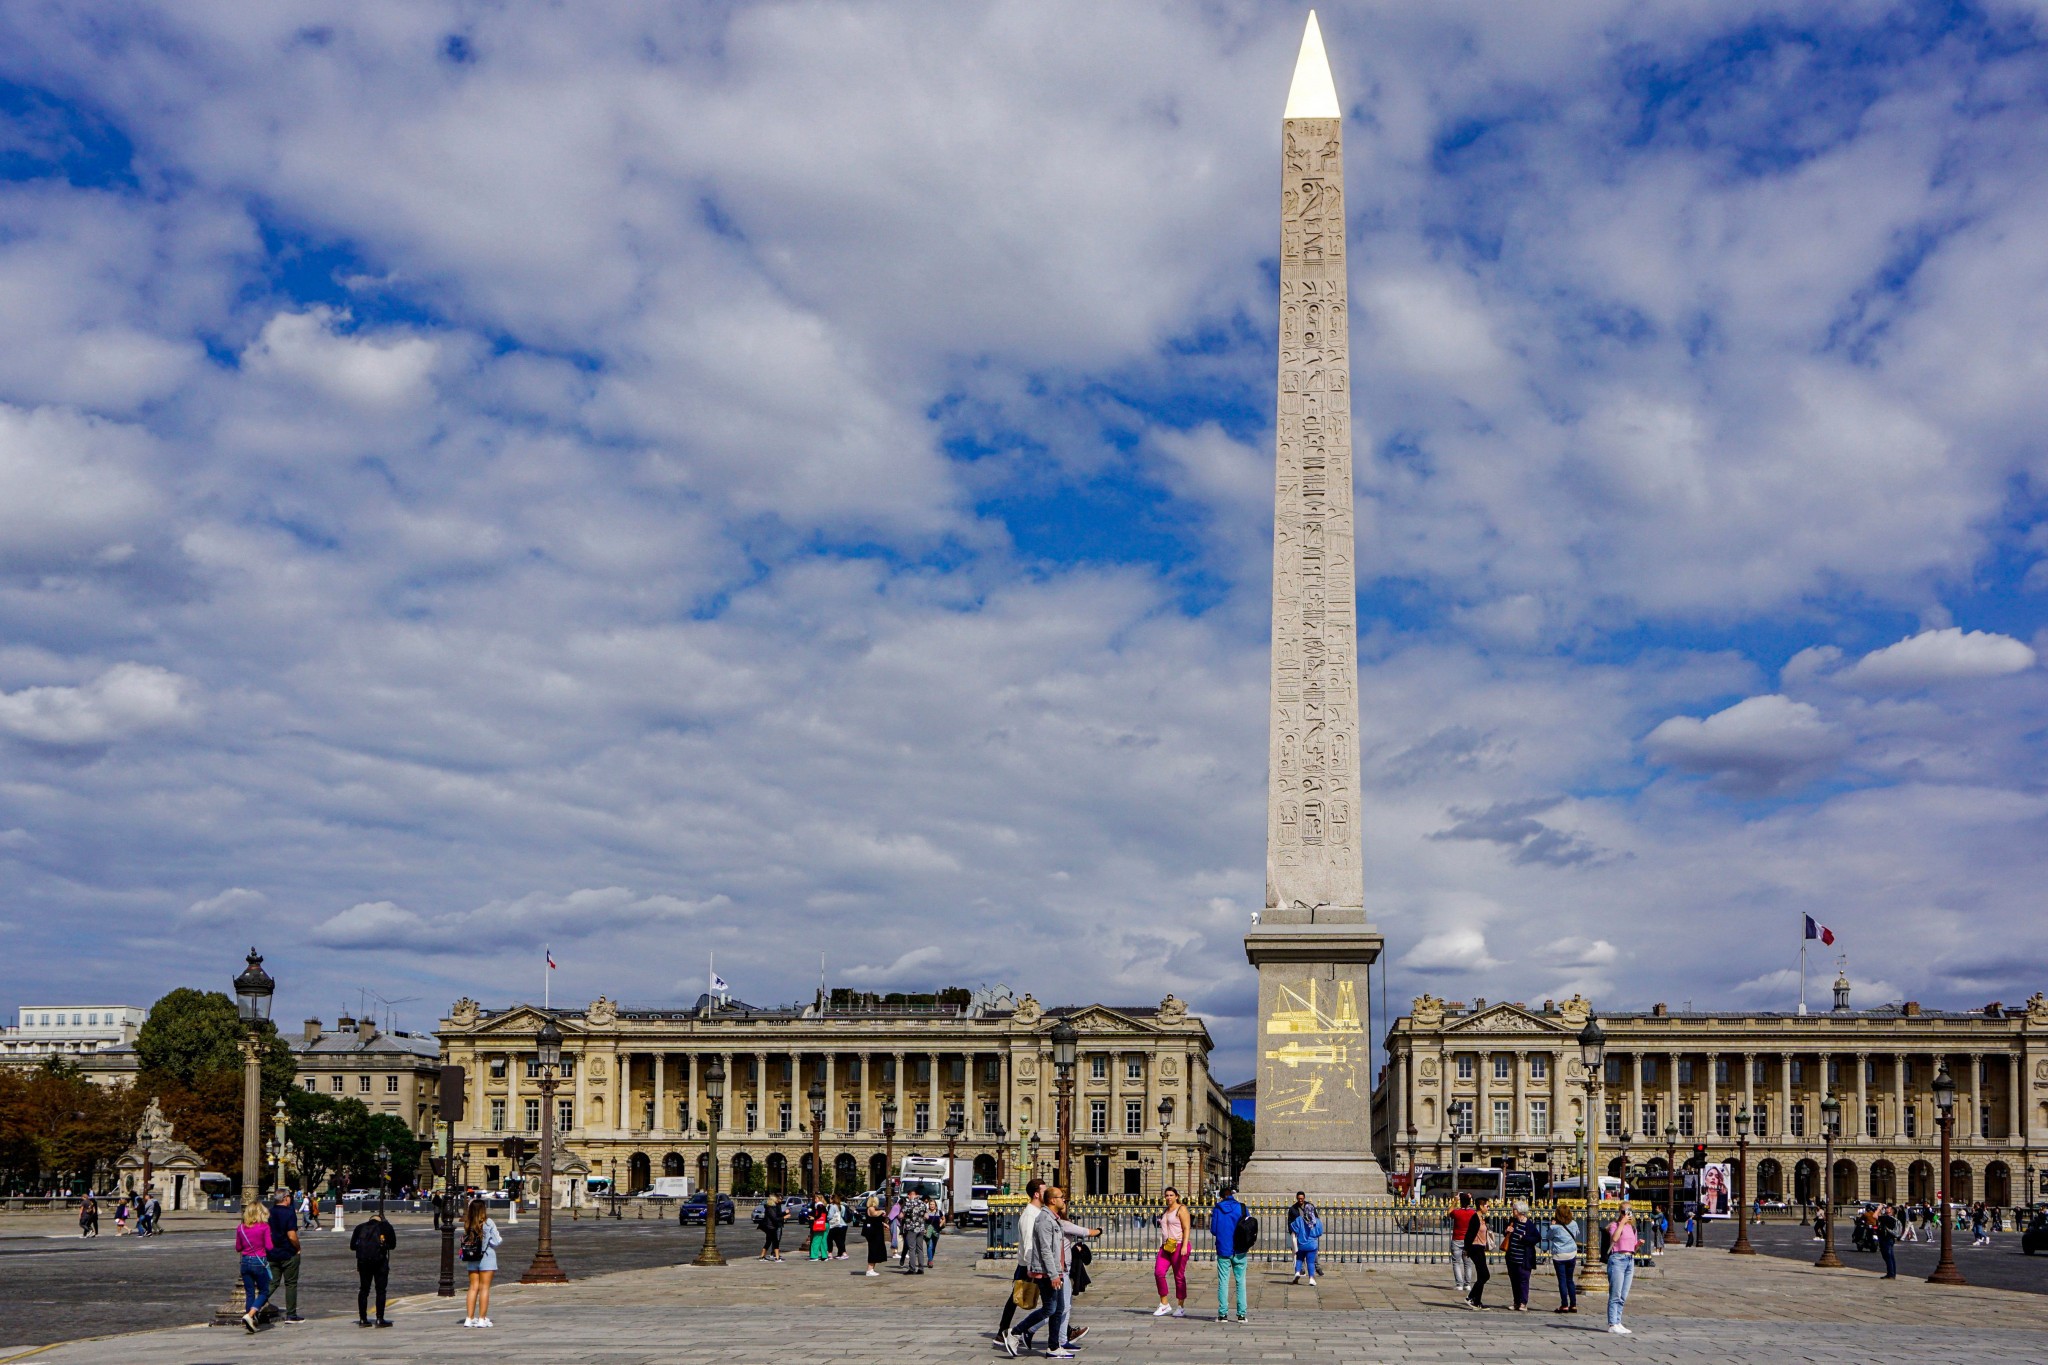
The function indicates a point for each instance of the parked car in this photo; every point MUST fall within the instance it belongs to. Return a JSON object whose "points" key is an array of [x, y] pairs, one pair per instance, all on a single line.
{"points": [[692, 1210], [2035, 1238], [795, 1208]]}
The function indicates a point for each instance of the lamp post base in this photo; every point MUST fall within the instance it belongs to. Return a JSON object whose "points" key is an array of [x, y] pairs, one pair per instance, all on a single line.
{"points": [[1946, 1274], [544, 1270]]}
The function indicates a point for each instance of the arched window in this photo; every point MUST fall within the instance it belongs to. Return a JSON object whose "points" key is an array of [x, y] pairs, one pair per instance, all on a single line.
{"points": [[1920, 1183], [845, 1175], [985, 1169], [1770, 1179], [743, 1177], [639, 1172], [1806, 1182], [777, 1179], [1845, 1181], [1959, 1182], [878, 1171], [672, 1164], [1884, 1182]]}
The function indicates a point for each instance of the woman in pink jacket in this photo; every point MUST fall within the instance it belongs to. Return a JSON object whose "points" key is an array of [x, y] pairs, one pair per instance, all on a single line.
{"points": [[252, 1245]]}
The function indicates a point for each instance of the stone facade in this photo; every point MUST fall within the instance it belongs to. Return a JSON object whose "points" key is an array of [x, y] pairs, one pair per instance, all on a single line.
{"points": [[1508, 1078], [390, 1071], [631, 1102], [1311, 944]]}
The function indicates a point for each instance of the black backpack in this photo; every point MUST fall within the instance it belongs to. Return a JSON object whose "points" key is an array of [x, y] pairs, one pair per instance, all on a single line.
{"points": [[472, 1246], [1246, 1237]]}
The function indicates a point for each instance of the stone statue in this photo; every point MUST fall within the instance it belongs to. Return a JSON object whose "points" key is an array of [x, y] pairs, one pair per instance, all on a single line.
{"points": [[1172, 1010], [1029, 1011], [1575, 1011], [463, 1013], [154, 1126], [602, 1013], [2037, 1009], [1427, 1010]]}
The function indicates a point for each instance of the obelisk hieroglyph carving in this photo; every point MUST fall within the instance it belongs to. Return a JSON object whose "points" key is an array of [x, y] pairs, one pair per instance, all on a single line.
{"points": [[1312, 944]]}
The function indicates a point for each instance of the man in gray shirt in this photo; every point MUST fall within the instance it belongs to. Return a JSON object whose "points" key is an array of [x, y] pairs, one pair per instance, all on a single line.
{"points": [[1047, 1261]]}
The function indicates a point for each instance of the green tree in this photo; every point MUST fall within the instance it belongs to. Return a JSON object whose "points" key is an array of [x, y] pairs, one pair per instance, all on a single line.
{"points": [[59, 1129], [192, 1035], [338, 1139], [1243, 1139]]}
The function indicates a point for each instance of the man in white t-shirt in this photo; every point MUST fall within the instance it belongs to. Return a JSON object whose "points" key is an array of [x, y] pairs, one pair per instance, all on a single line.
{"points": [[1034, 1194]]}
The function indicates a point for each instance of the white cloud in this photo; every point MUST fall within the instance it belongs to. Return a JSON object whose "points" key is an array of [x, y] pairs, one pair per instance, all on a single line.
{"points": [[1451, 951], [526, 921], [69, 489], [369, 372], [1759, 743], [233, 904], [128, 699], [1938, 656]]}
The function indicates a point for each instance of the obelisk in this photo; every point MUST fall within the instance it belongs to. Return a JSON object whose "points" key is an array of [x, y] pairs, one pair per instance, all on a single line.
{"points": [[1312, 944]]}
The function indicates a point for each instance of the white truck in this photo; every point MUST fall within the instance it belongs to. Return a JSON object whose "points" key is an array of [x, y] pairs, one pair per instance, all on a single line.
{"points": [[671, 1187], [951, 1183]]}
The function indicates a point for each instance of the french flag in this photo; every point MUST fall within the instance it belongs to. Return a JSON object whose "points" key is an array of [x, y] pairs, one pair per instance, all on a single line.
{"points": [[551, 952], [1815, 929]]}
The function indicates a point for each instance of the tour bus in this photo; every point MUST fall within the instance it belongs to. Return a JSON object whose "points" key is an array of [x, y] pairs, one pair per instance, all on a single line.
{"points": [[1481, 1182], [1571, 1189]]}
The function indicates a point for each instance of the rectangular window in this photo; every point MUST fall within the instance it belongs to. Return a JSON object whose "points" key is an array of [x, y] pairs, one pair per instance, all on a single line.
{"points": [[956, 1070], [1870, 1120], [391, 1085], [1798, 1072], [363, 1084], [1759, 1071], [1503, 1068], [1539, 1067], [1912, 1122], [1760, 1122], [1098, 1067], [1461, 1117], [1649, 1071], [1908, 1065], [1984, 1120], [568, 1065], [1134, 1116], [1797, 1119], [1613, 1125], [1724, 1121], [533, 1116], [1134, 1069], [1539, 1118], [1870, 1072], [497, 1068], [532, 1069], [497, 1116], [853, 1116], [921, 1117], [782, 1116], [1464, 1066], [753, 1116], [923, 1071], [1720, 1071], [1650, 1128], [1834, 1072], [1686, 1122], [1685, 1071], [94, 1019], [853, 1069], [956, 1114], [334, 1083], [1614, 1071], [783, 1065], [1503, 1118], [992, 1070], [889, 1070], [989, 1110], [565, 1116], [1098, 1116], [312, 1084]]}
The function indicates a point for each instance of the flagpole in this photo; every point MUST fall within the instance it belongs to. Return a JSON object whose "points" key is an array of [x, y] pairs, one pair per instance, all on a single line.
{"points": [[547, 984], [1802, 968]]}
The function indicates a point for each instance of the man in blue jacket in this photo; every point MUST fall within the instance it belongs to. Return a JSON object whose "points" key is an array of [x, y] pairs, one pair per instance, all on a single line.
{"points": [[1223, 1221]]}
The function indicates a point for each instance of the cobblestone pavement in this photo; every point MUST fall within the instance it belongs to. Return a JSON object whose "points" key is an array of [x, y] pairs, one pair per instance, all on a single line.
{"points": [[1698, 1306]]}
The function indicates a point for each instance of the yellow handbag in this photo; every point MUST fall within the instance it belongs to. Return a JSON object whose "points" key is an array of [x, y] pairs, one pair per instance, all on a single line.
{"points": [[1024, 1293]]}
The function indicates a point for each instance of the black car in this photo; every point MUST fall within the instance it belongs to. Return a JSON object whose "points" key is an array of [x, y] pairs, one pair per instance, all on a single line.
{"points": [[2035, 1238], [691, 1210]]}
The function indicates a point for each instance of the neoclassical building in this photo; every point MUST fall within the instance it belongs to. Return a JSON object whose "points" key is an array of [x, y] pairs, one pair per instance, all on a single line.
{"points": [[1505, 1080], [631, 1102]]}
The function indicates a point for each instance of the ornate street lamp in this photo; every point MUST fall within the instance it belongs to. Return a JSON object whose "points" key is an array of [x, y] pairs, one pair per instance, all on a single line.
{"points": [[547, 1047], [1670, 1171], [1065, 1052], [1742, 1246], [714, 1092], [1830, 1123], [1626, 1185], [1593, 1056], [1413, 1133], [1945, 1271], [1165, 1152], [253, 991], [889, 1144], [816, 1095], [999, 1131], [383, 1175]]}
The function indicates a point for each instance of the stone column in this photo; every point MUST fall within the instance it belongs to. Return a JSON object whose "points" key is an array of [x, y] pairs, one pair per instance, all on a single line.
{"points": [[969, 1119], [834, 1122], [1975, 1127], [1519, 1125], [660, 1092], [1862, 1095], [1632, 1122], [2015, 1104], [1670, 1115], [515, 1109], [937, 1095], [1748, 1089], [1899, 1097], [902, 1109], [1784, 1093], [1704, 1129]]}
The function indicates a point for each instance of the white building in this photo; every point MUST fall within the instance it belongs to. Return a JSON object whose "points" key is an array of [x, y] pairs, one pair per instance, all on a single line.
{"points": [[69, 1030]]}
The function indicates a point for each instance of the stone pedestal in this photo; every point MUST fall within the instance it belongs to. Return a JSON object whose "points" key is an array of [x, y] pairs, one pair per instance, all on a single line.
{"points": [[1315, 1088]]}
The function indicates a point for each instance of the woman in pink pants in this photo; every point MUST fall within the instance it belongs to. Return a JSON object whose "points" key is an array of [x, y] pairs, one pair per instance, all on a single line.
{"points": [[1173, 1256]]}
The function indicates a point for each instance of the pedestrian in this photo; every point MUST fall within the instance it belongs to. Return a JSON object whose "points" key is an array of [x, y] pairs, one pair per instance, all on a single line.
{"points": [[121, 1217], [479, 1256], [88, 1216], [1518, 1250], [252, 1246], [874, 1229], [1174, 1249], [1620, 1241], [912, 1224], [309, 1216], [901, 1252], [1561, 1240], [1887, 1239], [1034, 1204], [372, 1242], [1478, 1241], [1225, 1220], [1461, 1265], [1980, 1226], [1051, 1263], [934, 1224], [152, 1212], [1305, 1227], [835, 1229], [284, 1253], [772, 1214], [819, 1223]]}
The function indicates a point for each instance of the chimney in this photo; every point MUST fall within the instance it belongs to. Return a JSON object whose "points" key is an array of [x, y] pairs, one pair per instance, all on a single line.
{"points": [[1550, 1007], [366, 1028], [1660, 1010], [312, 1032], [346, 1022], [1912, 1010]]}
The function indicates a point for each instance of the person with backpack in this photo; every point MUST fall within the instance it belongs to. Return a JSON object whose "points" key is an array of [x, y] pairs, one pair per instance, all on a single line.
{"points": [[1236, 1231], [1305, 1226], [1478, 1241], [479, 1252], [835, 1229], [372, 1242]]}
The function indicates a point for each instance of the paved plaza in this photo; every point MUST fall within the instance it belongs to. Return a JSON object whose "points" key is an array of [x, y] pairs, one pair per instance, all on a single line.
{"points": [[1698, 1306]]}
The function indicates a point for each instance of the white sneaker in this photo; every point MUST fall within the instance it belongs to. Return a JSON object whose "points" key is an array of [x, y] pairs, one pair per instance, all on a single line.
{"points": [[469, 1322], [483, 1322], [1162, 1310], [1179, 1311], [1311, 1279], [874, 1274], [1620, 1330]]}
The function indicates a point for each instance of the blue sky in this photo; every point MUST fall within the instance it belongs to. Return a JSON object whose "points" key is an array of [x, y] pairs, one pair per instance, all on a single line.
{"points": [[794, 478]]}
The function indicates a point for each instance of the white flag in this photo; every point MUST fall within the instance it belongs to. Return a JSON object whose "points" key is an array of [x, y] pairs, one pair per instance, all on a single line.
{"points": [[718, 986]]}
